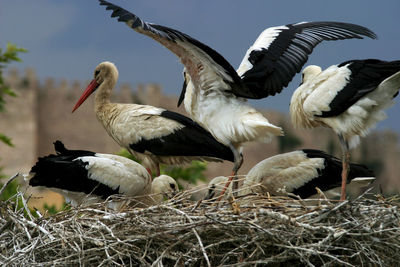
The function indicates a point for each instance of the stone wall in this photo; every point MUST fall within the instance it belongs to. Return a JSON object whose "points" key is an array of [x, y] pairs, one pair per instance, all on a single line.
{"points": [[42, 114], [20, 122]]}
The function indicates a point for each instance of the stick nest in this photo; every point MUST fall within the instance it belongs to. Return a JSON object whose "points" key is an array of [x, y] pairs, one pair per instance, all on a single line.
{"points": [[267, 231]]}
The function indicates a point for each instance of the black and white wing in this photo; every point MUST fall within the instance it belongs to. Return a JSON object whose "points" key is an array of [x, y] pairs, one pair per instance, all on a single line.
{"points": [[300, 172], [268, 66], [206, 67], [364, 77], [178, 135], [328, 174], [87, 172], [68, 173], [280, 52]]}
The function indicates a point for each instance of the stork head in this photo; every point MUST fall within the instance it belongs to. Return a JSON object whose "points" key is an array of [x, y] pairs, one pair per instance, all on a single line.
{"points": [[164, 186], [216, 186], [310, 72], [105, 71]]}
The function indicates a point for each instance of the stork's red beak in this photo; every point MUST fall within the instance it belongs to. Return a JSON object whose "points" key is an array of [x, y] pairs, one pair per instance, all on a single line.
{"points": [[89, 90]]}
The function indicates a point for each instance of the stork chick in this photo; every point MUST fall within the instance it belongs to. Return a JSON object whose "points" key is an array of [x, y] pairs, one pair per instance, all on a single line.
{"points": [[163, 187], [215, 94]]}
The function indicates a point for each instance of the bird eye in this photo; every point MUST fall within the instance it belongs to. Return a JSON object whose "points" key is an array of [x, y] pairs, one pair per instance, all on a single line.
{"points": [[172, 186], [96, 72]]}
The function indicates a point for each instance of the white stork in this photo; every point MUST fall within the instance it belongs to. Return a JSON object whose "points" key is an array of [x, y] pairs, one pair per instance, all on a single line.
{"points": [[216, 187], [215, 94], [299, 173], [153, 135], [87, 177], [162, 187], [349, 98]]}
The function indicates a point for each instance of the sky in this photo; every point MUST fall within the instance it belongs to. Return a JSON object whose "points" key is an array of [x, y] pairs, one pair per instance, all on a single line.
{"points": [[66, 39]]}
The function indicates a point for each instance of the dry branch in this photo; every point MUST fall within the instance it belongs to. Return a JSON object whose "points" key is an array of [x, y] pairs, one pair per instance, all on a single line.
{"points": [[268, 230]]}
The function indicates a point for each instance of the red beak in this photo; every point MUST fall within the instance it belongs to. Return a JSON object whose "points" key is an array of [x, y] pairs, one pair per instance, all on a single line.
{"points": [[89, 90]]}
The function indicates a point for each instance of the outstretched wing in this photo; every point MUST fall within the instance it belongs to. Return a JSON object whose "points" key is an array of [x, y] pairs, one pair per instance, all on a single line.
{"points": [[280, 52], [206, 67], [268, 66]]}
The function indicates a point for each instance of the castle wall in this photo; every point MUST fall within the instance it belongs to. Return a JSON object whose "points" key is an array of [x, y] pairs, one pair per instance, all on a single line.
{"points": [[19, 122], [42, 114]]}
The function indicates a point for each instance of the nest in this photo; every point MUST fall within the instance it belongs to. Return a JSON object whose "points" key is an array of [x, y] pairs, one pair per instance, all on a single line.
{"points": [[266, 231]]}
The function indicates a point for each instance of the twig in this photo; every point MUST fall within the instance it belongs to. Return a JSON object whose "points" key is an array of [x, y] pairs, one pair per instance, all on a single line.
{"points": [[8, 182], [196, 234]]}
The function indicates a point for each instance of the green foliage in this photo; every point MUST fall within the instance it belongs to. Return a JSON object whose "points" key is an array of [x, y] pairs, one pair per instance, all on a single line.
{"points": [[9, 55], [6, 140], [9, 191], [126, 154], [12, 195], [288, 142], [51, 210], [191, 174], [6, 57]]}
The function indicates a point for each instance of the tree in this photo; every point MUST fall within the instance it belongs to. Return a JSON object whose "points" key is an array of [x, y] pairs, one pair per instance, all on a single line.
{"points": [[9, 55], [6, 57]]}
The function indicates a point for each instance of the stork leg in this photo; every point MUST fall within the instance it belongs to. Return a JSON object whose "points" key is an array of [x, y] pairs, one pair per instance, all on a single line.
{"points": [[345, 165], [238, 161], [158, 170]]}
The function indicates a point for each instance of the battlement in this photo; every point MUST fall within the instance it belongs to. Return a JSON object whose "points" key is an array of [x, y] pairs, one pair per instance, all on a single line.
{"points": [[41, 114]]}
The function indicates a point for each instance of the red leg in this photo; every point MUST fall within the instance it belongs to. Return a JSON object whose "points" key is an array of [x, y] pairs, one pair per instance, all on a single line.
{"points": [[158, 170], [226, 186], [238, 161], [345, 165], [345, 173]]}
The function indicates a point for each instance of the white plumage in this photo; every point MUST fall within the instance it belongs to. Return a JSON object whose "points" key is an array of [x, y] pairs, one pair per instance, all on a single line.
{"points": [[163, 187], [263, 41], [153, 135], [129, 177], [350, 98], [230, 119], [283, 173], [215, 94], [298, 172], [216, 186], [87, 177]]}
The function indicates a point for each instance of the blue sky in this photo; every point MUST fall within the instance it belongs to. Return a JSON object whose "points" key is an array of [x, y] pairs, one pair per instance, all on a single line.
{"points": [[68, 38]]}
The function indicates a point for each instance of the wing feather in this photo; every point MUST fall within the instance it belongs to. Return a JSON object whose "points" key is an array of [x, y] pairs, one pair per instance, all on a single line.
{"points": [[282, 52], [365, 77], [194, 55]]}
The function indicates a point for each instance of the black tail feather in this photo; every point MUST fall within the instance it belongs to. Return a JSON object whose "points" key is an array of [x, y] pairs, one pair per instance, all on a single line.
{"points": [[330, 176]]}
